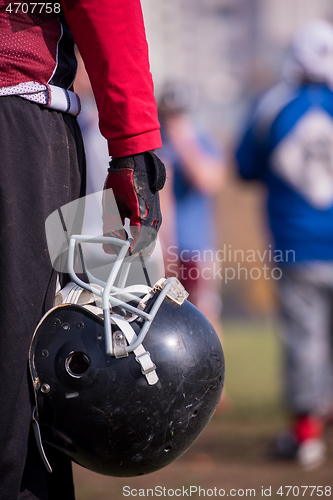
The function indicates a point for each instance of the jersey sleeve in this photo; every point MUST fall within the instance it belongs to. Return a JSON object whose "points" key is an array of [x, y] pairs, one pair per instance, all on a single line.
{"points": [[111, 38]]}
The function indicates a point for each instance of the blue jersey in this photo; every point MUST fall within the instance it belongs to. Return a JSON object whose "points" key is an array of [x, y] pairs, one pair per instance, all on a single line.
{"points": [[289, 147]]}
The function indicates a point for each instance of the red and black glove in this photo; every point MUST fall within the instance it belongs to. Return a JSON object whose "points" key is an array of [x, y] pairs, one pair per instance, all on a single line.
{"points": [[135, 181]]}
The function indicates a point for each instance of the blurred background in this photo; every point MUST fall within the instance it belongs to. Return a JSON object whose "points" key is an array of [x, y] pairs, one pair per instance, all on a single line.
{"points": [[227, 52]]}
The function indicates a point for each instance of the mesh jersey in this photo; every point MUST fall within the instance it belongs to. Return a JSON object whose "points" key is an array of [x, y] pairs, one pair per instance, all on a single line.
{"points": [[111, 38], [35, 48]]}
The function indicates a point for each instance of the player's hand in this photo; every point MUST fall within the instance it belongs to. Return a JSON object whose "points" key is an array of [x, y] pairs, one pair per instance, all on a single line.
{"points": [[135, 182]]}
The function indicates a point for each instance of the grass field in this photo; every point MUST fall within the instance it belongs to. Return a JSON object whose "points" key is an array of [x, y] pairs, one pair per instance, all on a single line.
{"points": [[231, 457]]}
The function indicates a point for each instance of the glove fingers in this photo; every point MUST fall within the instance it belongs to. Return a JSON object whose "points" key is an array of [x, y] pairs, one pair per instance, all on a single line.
{"points": [[144, 240], [113, 248]]}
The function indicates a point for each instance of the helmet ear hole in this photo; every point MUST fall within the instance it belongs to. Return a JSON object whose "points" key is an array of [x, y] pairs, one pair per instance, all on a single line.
{"points": [[77, 364]]}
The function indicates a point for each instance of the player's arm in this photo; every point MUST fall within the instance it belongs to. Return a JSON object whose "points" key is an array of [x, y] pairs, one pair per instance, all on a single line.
{"points": [[204, 167], [111, 38]]}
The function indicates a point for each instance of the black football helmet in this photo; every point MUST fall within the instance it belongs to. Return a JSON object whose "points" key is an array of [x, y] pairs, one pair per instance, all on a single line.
{"points": [[125, 378]]}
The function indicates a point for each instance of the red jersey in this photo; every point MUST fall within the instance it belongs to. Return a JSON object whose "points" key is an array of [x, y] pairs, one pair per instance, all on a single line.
{"points": [[38, 46]]}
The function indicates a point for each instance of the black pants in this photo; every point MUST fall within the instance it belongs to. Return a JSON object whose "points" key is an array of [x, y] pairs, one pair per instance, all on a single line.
{"points": [[41, 168]]}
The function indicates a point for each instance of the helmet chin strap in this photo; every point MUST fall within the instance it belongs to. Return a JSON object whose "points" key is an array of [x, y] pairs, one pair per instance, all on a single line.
{"points": [[141, 355]]}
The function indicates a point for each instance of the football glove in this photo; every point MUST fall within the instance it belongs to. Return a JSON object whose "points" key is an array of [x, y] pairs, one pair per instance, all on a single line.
{"points": [[135, 182]]}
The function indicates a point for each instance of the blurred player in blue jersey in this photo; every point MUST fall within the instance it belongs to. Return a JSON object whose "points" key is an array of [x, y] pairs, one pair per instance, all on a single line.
{"points": [[288, 146]]}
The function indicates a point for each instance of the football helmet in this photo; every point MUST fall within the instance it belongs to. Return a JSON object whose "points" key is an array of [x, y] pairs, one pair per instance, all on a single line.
{"points": [[125, 377]]}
